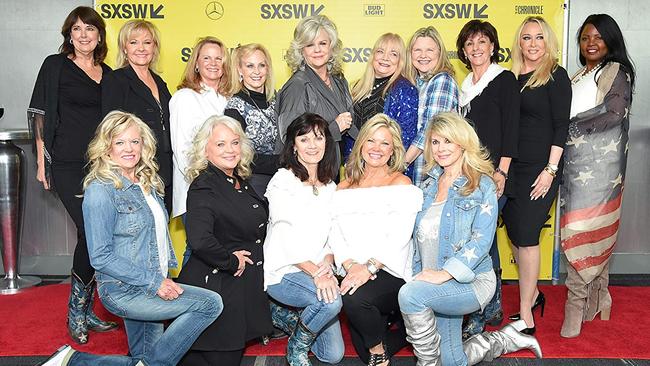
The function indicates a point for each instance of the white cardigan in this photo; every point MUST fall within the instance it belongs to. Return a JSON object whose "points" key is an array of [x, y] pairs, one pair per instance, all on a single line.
{"points": [[188, 110], [376, 222], [299, 223]]}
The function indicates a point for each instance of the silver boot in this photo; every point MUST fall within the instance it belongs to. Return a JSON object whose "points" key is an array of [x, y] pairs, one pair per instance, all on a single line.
{"points": [[422, 333], [487, 346]]}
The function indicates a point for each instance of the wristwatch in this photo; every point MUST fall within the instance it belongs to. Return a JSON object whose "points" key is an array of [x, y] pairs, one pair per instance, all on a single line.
{"points": [[371, 266]]}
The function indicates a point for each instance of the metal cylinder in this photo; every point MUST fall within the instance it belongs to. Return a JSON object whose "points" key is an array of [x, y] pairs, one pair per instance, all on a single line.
{"points": [[12, 203]]}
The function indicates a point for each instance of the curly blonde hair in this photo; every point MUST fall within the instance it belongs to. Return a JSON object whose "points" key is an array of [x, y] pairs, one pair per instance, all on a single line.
{"points": [[126, 32], [236, 84], [476, 159], [103, 169], [197, 158], [191, 76], [305, 33], [355, 167]]}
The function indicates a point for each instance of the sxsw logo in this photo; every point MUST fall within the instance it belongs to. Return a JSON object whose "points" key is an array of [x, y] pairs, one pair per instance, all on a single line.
{"points": [[454, 11], [289, 11], [356, 54], [374, 10], [131, 11]]}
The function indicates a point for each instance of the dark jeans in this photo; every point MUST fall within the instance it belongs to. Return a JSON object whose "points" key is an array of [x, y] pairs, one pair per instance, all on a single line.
{"points": [[67, 179], [374, 316]]}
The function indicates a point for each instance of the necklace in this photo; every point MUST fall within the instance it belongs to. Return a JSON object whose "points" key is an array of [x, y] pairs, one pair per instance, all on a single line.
{"points": [[585, 73], [314, 189]]}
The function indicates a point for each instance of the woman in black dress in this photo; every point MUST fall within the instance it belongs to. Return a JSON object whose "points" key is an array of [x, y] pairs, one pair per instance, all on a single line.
{"points": [[137, 89], [543, 127], [64, 112], [253, 105], [226, 226], [490, 100]]}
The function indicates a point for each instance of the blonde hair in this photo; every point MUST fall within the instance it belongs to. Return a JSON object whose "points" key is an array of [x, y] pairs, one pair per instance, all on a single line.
{"points": [[355, 167], [103, 169], [126, 32], [197, 158], [236, 84], [443, 64], [548, 64], [305, 33], [363, 87], [192, 78], [475, 158]]}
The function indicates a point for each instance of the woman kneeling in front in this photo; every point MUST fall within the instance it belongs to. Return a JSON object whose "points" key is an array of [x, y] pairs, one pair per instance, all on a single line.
{"points": [[452, 236]]}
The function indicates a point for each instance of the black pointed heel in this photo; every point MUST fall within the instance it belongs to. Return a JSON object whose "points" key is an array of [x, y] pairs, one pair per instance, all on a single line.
{"points": [[540, 302]]}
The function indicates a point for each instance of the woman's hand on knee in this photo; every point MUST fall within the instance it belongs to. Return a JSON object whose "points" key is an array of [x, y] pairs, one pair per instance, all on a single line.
{"points": [[357, 276], [169, 290], [435, 277], [327, 288]]}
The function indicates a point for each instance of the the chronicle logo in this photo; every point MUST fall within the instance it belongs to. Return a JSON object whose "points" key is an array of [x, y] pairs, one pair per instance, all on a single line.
{"points": [[289, 11], [374, 10], [454, 11], [529, 9], [214, 10], [131, 11]]}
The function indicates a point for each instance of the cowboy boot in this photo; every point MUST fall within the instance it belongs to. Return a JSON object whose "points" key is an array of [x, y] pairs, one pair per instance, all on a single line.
{"points": [[92, 321], [574, 309], [77, 305], [283, 318], [599, 299], [489, 345], [422, 333], [299, 344]]}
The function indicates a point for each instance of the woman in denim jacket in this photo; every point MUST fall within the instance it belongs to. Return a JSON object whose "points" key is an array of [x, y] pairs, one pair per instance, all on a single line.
{"points": [[129, 246], [452, 238]]}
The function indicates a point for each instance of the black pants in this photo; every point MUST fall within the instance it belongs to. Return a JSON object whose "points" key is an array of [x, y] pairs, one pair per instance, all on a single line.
{"points": [[67, 179], [374, 317], [212, 358]]}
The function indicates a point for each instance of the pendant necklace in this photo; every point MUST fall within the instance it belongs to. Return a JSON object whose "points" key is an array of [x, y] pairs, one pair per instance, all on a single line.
{"points": [[314, 189]]}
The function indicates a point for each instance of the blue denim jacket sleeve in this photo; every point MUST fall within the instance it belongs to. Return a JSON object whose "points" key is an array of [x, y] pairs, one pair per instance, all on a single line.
{"points": [[461, 265], [100, 218]]}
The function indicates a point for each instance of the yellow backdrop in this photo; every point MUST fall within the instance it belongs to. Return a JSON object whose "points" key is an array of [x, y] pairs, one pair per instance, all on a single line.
{"points": [[360, 23]]}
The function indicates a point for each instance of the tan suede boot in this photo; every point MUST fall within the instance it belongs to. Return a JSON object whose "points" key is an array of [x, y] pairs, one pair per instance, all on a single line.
{"points": [[599, 299], [574, 309]]}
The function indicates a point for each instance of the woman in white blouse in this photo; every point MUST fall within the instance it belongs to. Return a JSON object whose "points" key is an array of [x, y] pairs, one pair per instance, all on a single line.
{"points": [[201, 94], [374, 213], [298, 268]]}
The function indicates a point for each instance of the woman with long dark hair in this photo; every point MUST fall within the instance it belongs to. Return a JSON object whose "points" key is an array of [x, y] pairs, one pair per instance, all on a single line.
{"points": [[64, 112], [594, 174]]}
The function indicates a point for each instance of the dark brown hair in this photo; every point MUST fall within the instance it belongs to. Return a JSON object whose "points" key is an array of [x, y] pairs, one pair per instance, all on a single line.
{"points": [[302, 125], [472, 28], [89, 16]]}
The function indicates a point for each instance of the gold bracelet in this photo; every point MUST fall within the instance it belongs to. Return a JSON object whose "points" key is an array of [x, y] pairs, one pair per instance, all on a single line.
{"points": [[550, 171]]}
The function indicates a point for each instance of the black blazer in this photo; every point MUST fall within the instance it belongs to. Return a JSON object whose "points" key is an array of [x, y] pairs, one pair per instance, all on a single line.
{"points": [[221, 220], [122, 89]]}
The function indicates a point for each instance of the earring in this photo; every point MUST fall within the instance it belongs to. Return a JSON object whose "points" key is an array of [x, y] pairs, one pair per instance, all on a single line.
{"points": [[196, 69], [99, 40], [295, 153], [241, 77], [71, 41]]}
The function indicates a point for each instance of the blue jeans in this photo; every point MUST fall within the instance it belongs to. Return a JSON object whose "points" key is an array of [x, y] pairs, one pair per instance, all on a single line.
{"points": [[192, 311], [298, 290], [449, 301]]}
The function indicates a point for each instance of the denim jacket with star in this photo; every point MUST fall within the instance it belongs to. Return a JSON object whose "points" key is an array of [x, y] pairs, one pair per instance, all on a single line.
{"points": [[121, 235], [467, 227]]}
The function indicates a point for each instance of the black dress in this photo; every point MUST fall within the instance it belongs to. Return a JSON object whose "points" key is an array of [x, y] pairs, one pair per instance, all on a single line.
{"points": [[495, 115], [544, 122], [221, 220], [123, 90]]}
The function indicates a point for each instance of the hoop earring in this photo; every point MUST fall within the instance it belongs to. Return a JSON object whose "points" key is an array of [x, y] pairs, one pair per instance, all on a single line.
{"points": [[71, 42], [196, 69]]}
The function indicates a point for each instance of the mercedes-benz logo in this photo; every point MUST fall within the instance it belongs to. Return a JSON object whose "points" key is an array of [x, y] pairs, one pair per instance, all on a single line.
{"points": [[214, 10]]}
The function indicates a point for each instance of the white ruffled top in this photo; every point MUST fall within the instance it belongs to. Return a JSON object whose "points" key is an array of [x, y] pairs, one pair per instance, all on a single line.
{"points": [[376, 222], [299, 223]]}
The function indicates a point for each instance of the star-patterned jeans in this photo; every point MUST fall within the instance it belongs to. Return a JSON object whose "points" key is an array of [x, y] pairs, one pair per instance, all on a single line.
{"points": [[450, 301]]}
